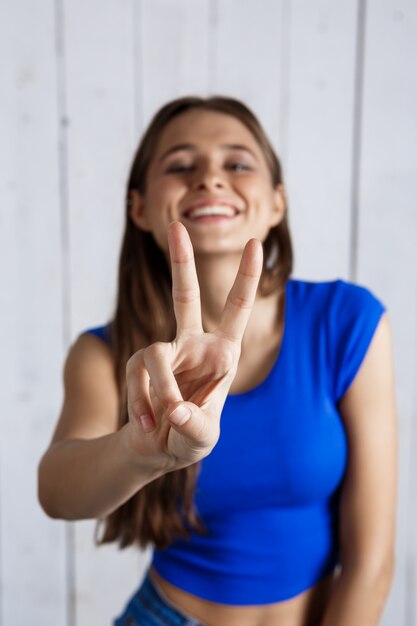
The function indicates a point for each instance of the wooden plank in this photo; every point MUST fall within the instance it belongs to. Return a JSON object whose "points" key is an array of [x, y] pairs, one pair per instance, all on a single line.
{"points": [[106, 73], [99, 66], [106, 577], [33, 553], [99, 50], [387, 243], [249, 58], [174, 38], [320, 123]]}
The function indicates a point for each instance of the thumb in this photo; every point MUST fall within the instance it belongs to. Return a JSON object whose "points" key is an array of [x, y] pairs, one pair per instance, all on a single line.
{"points": [[190, 421], [180, 414]]}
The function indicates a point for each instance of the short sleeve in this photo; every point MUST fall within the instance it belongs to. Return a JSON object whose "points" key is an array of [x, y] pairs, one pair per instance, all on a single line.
{"points": [[353, 316], [102, 332]]}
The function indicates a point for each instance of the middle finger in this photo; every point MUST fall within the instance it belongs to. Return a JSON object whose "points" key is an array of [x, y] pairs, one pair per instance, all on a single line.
{"points": [[242, 295]]}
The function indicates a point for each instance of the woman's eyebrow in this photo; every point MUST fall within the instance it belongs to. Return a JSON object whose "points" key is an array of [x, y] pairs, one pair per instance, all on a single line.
{"points": [[192, 148]]}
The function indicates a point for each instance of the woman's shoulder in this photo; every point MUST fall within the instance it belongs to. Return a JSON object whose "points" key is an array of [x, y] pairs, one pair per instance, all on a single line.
{"points": [[335, 294], [344, 315]]}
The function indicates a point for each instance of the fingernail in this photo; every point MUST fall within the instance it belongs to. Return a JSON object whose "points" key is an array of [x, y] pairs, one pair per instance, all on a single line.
{"points": [[180, 415], [147, 423]]}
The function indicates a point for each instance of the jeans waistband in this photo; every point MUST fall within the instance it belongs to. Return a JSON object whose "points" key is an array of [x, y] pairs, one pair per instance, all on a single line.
{"points": [[151, 586]]}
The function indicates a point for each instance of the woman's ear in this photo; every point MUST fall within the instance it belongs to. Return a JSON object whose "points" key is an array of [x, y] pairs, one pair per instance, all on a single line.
{"points": [[280, 203], [137, 210]]}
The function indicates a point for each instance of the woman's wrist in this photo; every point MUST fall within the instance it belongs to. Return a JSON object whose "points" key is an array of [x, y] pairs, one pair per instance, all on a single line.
{"points": [[155, 466]]}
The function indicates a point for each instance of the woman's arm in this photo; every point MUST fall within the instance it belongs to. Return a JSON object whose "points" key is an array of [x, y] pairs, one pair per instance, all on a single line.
{"points": [[89, 470], [368, 499]]}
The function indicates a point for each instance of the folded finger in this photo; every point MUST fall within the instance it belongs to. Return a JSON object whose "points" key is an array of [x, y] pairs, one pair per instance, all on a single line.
{"points": [[138, 398], [157, 359], [242, 295]]}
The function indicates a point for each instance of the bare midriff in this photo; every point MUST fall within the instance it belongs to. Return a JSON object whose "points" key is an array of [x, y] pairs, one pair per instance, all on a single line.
{"points": [[305, 609]]}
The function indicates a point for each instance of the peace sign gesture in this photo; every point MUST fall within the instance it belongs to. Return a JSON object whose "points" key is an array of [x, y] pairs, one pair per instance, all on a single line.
{"points": [[176, 390]]}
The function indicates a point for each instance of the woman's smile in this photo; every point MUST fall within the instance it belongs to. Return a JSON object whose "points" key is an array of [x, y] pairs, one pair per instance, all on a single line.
{"points": [[207, 214]]}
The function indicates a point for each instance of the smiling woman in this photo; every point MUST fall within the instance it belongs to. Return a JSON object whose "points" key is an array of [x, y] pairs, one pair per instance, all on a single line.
{"points": [[240, 421]]}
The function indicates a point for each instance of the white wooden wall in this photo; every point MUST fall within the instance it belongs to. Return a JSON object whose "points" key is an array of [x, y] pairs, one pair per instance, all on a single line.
{"points": [[335, 84]]}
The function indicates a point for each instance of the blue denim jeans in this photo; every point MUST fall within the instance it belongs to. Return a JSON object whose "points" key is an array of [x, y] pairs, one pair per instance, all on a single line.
{"points": [[150, 607]]}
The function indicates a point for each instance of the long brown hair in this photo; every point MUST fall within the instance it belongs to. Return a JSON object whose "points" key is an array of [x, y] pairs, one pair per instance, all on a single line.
{"points": [[160, 511]]}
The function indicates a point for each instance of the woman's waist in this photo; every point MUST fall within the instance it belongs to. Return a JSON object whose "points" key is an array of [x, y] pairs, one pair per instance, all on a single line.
{"points": [[303, 609]]}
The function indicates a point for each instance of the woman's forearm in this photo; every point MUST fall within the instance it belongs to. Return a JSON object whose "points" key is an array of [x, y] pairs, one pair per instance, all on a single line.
{"points": [[358, 598], [90, 478]]}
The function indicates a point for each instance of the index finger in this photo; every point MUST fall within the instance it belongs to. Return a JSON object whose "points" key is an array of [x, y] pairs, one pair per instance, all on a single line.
{"points": [[185, 287], [242, 295]]}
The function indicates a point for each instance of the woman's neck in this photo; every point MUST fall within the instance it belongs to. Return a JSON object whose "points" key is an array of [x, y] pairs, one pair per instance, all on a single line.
{"points": [[216, 277]]}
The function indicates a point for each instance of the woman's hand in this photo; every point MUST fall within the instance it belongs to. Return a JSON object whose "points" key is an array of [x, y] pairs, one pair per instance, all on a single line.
{"points": [[176, 391]]}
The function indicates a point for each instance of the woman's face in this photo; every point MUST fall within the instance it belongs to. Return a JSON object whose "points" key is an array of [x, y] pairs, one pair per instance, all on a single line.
{"points": [[208, 159]]}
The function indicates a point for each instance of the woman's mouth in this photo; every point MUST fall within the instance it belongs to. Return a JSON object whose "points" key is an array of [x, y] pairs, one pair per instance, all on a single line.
{"points": [[214, 213]]}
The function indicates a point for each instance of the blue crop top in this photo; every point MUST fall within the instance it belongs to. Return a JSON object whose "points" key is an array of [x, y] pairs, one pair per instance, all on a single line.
{"points": [[269, 491]]}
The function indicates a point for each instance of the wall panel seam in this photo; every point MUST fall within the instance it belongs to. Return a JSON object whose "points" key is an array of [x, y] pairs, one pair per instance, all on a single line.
{"points": [[357, 137], [63, 123], [137, 65], [285, 83], [212, 46]]}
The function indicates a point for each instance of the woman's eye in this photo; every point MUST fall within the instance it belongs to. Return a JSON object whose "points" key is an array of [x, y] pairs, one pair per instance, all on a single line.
{"points": [[240, 166], [179, 168]]}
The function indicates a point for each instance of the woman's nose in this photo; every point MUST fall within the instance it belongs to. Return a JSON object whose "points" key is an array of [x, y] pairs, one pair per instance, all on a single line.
{"points": [[208, 178]]}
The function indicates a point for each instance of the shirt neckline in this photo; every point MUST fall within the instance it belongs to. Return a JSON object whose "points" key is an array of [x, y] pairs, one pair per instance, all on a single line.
{"points": [[279, 356]]}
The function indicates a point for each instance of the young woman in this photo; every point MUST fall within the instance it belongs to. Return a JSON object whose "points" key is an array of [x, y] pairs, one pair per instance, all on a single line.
{"points": [[240, 421]]}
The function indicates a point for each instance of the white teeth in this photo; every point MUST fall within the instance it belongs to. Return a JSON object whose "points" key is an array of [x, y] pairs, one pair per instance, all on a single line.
{"points": [[211, 210]]}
